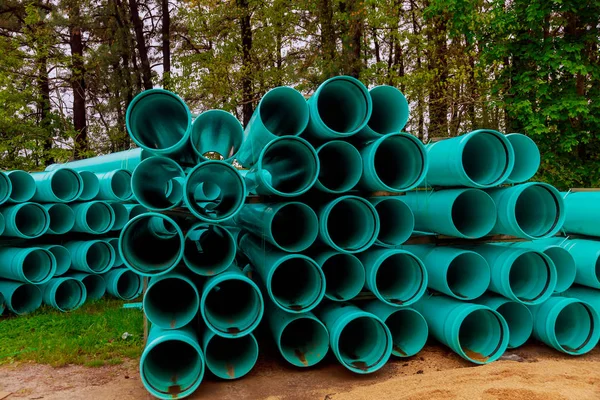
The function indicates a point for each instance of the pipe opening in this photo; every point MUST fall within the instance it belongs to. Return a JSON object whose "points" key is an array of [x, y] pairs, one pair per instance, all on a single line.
{"points": [[99, 257], [216, 131], [99, 217], [171, 303], [135, 210], [65, 184], [63, 259], [91, 185], [342, 105], [565, 267], [233, 306], [231, 358], [157, 183], [294, 227], [480, 336], [114, 243], [396, 221], [62, 218], [537, 211], [25, 299], [399, 162], [290, 166], [37, 266], [468, 276], [31, 220], [474, 213], [527, 157], [390, 110], [529, 277], [172, 367], [399, 279], [519, 321], [129, 285], [209, 250], [121, 216], [304, 342], [23, 186], [345, 277], [363, 344], [341, 166], [485, 159], [409, 332], [574, 327], [69, 295], [352, 224], [94, 286], [120, 184], [283, 111], [296, 284]]}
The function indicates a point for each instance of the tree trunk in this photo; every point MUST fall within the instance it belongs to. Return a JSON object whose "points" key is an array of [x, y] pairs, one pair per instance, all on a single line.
{"points": [[247, 65], [44, 108], [328, 38], [78, 83], [141, 44], [438, 67], [166, 47], [354, 11]]}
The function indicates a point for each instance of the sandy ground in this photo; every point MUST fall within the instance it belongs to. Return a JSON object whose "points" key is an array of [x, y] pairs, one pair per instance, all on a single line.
{"points": [[533, 372]]}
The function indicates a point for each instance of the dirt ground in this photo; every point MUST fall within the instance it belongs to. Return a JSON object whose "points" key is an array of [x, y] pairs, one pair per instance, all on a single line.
{"points": [[533, 372]]}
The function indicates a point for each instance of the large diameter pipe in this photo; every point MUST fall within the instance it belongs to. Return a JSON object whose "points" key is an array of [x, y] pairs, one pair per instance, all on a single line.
{"points": [[25, 220], [216, 135], [91, 185], [229, 358], [390, 113], [123, 283], [527, 158], [360, 340], [566, 324], [33, 265], [289, 226], [348, 224], [396, 220], [408, 328], [344, 274], [60, 186], [127, 159], [209, 249], [172, 363], [581, 213], [396, 277], [62, 218], [21, 298], [396, 163], [231, 304], [517, 316], [157, 183], [115, 185], [586, 254], [64, 293], [287, 167], [22, 186], [171, 301], [340, 107], [5, 187], [294, 282], [340, 167], [465, 213], [95, 217], [531, 210], [214, 191], [95, 285], [151, 244], [91, 256], [61, 255]]}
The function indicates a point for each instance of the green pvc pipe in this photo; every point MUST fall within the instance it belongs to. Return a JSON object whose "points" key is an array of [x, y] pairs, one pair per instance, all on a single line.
{"points": [[586, 254], [151, 244], [289, 226], [209, 249], [64, 293], [396, 220], [21, 298], [390, 113], [22, 186], [214, 191], [348, 224], [287, 167], [473, 331], [566, 324], [231, 304], [408, 328], [340, 107], [91, 185], [115, 185], [171, 301], [458, 273], [157, 183], [294, 282], [581, 213], [5, 187], [340, 167], [302, 339], [396, 277], [60, 186], [123, 283], [95, 285], [62, 218], [95, 217], [2, 306], [586, 294], [172, 363], [127, 159], [527, 158], [2, 224], [216, 134], [61, 255], [25, 220], [360, 340], [396, 163], [121, 215], [114, 242], [91, 256], [133, 210], [229, 358], [33, 265], [517, 317], [344, 274], [531, 210]]}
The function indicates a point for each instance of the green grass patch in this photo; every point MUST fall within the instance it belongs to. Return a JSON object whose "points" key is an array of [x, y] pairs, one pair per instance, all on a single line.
{"points": [[91, 335]]}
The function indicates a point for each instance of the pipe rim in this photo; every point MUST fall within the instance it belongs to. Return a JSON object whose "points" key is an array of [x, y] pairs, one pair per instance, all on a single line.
{"points": [[413, 293], [26, 303], [72, 304], [519, 321], [61, 175], [300, 358], [302, 216], [234, 128], [107, 216], [290, 95], [121, 216], [396, 224], [551, 228], [120, 184], [38, 258], [477, 217], [566, 269], [95, 286], [330, 155], [62, 256], [593, 335], [96, 251], [547, 288], [357, 275], [91, 185], [217, 267], [167, 193], [62, 218], [30, 234], [23, 186], [132, 282], [408, 318], [526, 152], [477, 357], [233, 369], [181, 317], [380, 106]]}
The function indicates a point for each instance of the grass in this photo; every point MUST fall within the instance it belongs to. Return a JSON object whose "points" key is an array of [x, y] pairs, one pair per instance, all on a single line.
{"points": [[91, 335]]}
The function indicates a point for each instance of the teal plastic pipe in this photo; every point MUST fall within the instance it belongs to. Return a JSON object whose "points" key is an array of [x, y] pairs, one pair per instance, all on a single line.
{"points": [[566, 324], [22, 186], [517, 317], [586, 254], [64, 293], [348, 224], [95, 285], [287, 167], [2, 224], [114, 243], [481, 159], [133, 210], [21, 298], [171, 301], [465, 213], [340, 107], [216, 134], [294, 282], [91, 256], [209, 249], [123, 283], [2, 306], [360, 340], [340, 167], [458, 273], [229, 358], [115, 185], [157, 183], [95, 217], [127, 159], [344, 274], [5, 187], [61, 255], [172, 363], [390, 113], [60, 186], [531, 210], [396, 163], [396, 220], [231, 304], [91, 185], [30, 265], [527, 158], [582, 212], [408, 328], [396, 277], [62, 218], [586, 294], [214, 191], [302, 339], [151, 244], [289, 226], [282, 111], [121, 215], [473, 331], [25, 220], [523, 275]]}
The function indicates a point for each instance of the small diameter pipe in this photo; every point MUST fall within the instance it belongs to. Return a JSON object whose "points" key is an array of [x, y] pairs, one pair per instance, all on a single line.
{"points": [[127, 159], [91, 185], [5, 187], [25, 220], [21, 298], [407, 327], [229, 358], [390, 113], [216, 134], [2, 306], [92, 256], [581, 213], [60, 186], [61, 255], [62, 218], [121, 215], [340, 167], [517, 316], [171, 301], [95, 217], [114, 242], [396, 221], [360, 340], [115, 185], [64, 293], [344, 274], [95, 285], [33, 265], [23, 186], [209, 249], [133, 210], [157, 183], [586, 254], [123, 283], [527, 158]]}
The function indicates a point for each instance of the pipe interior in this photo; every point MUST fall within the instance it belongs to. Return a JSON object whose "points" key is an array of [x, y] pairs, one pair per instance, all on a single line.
{"points": [[390, 110], [468, 276], [37, 266], [25, 299], [399, 162], [230, 358], [99, 257], [565, 267], [340, 166], [129, 285], [294, 227], [65, 184], [519, 321], [396, 221], [30, 220], [232, 306], [480, 335], [172, 367], [154, 183], [62, 218], [91, 185], [363, 343], [171, 302], [527, 157], [217, 131], [120, 184], [345, 276], [212, 253], [485, 159], [342, 105], [573, 327], [296, 284], [474, 213], [23, 186], [99, 217], [283, 111], [114, 243], [409, 332], [537, 211], [63, 259], [291, 164], [399, 278], [351, 224], [304, 342], [529, 277], [69, 294], [229, 188], [136, 210], [95, 286]]}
